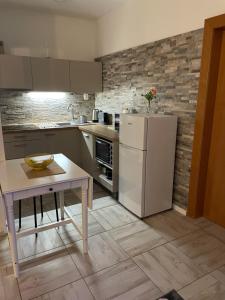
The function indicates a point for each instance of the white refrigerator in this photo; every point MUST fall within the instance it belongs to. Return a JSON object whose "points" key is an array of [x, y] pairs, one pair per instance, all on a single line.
{"points": [[146, 168]]}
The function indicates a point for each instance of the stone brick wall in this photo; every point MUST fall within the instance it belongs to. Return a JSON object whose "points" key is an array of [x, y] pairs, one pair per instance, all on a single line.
{"points": [[172, 65], [21, 107]]}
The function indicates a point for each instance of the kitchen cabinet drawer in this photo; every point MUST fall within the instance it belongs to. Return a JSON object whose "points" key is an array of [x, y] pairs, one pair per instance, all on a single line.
{"points": [[66, 141], [21, 144], [15, 150], [50, 74], [85, 77], [21, 149], [21, 136], [15, 72]]}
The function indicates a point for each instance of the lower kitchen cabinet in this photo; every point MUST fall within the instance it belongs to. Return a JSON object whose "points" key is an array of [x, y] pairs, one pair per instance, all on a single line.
{"points": [[87, 152], [20, 144], [94, 168], [63, 140], [79, 146], [14, 150]]}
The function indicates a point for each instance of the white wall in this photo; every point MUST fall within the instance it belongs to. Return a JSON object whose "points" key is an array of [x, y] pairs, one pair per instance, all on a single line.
{"points": [[47, 35], [142, 21]]}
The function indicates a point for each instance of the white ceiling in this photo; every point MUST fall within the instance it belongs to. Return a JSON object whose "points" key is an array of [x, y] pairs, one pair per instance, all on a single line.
{"points": [[83, 8]]}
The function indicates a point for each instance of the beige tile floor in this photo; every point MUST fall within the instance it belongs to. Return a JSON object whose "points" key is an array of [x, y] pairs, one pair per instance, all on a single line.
{"points": [[128, 258]]}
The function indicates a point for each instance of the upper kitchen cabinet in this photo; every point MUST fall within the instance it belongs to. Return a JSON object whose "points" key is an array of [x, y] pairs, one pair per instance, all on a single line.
{"points": [[15, 72], [85, 77], [50, 74]]}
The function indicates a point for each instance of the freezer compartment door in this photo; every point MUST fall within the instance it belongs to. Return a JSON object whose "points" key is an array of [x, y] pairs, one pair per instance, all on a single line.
{"points": [[133, 131], [132, 179]]}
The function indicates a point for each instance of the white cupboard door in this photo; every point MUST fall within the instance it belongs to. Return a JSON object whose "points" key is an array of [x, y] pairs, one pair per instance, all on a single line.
{"points": [[133, 131], [50, 74], [34, 147], [15, 72], [87, 152], [15, 150], [132, 179], [85, 77]]}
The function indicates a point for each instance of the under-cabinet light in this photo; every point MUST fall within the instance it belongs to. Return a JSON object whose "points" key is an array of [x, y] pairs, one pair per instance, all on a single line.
{"points": [[46, 95]]}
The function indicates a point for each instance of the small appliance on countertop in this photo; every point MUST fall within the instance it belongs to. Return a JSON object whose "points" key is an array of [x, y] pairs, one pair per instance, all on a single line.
{"points": [[116, 122], [95, 113], [103, 118], [82, 119]]}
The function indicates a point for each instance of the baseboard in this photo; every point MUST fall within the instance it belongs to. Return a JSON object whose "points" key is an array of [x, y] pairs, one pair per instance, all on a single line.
{"points": [[180, 209]]}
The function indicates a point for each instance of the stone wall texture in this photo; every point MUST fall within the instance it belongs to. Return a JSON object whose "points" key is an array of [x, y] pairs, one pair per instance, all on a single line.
{"points": [[23, 107], [172, 65]]}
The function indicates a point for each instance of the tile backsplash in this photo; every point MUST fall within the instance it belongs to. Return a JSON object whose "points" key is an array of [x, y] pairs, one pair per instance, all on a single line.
{"points": [[172, 65], [26, 107]]}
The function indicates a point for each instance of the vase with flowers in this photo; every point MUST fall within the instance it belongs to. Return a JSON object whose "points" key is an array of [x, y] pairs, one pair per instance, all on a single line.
{"points": [[149, 96]]}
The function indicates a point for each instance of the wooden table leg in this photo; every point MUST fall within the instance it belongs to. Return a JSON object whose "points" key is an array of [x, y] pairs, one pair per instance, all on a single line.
{"points": [[12, 235], [61, 201], [84, 191]]}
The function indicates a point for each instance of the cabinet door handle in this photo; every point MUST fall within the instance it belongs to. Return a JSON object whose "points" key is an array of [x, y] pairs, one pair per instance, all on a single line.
{"points": [[20, 136], [86, 135], [20, 145], [50, 134]]}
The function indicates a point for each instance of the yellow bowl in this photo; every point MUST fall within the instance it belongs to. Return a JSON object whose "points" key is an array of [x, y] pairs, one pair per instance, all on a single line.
{"points": [[39, 161]]}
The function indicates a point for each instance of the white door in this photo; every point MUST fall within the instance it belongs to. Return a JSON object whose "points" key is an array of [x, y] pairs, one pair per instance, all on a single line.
{"points": [[132, 179], [133, 131]]}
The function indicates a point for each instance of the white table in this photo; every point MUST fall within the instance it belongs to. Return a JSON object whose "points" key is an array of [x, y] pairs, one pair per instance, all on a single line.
{"points": [[16, 186]]}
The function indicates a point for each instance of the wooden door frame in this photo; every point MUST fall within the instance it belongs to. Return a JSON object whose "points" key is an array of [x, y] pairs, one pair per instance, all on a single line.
{"points": [[204, 117]]}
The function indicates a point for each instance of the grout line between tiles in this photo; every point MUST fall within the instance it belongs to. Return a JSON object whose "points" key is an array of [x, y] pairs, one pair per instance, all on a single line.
{"points": [[209, 233], [132, 258], [17, 282], [50, 291], [206, 274], [201, 276], [129, 256], [89, 289]]}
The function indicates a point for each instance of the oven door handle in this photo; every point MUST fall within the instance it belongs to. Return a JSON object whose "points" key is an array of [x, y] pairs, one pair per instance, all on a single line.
{"points": [[100, 142], [103, 141]]}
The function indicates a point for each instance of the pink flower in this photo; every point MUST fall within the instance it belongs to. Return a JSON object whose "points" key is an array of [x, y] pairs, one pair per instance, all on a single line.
{"points": [[153, 90]]}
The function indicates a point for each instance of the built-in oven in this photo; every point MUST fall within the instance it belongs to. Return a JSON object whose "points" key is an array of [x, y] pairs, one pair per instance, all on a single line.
{"points": [[103, 152]]}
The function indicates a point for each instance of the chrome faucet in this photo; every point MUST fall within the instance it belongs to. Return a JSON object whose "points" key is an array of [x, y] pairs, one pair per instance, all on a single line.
{"points": [[71, 108]]}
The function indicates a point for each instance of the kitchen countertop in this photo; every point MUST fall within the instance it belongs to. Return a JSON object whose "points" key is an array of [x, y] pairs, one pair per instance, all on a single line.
{"points": [[103, 131], [38, 126]]}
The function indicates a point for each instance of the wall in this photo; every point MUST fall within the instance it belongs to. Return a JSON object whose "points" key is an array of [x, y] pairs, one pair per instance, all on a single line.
{"points": [[26, 32], [20, 108], [139, 22], [172, 65]]}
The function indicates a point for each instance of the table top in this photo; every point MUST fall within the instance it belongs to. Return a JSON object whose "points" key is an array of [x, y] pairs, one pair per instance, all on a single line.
{"points": [[14, 179]]}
